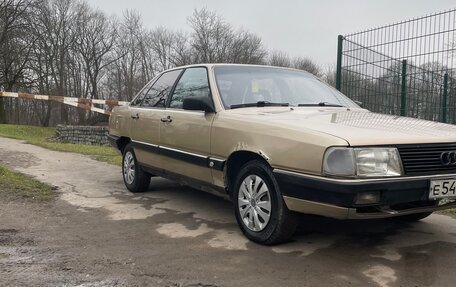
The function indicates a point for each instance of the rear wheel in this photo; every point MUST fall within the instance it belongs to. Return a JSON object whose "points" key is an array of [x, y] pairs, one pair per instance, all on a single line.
{"points": [[260, 210], [135, 179]]}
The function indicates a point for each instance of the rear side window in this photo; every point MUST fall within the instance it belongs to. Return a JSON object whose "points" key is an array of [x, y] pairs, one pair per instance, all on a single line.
{"points": [[193, 82], [157, 95], [138, 99]]}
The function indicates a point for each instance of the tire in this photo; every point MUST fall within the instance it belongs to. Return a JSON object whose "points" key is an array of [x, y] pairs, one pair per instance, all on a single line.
{"points": [[414, 217], [265, 200], [136, 180]]}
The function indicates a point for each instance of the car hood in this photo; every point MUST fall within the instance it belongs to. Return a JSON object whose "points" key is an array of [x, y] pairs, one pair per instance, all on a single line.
{"points": [[356, 126]]}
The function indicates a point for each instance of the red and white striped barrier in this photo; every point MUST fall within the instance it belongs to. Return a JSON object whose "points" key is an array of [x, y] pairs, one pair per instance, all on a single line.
{"points": [[82, 103]]}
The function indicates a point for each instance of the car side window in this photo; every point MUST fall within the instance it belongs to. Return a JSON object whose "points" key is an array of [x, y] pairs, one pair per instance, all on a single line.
{"points": [[194, 82], [139, 98], [158, 93]]}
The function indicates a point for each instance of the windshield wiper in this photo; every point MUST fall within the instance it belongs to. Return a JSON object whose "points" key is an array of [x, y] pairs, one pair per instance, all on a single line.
{"points": [[320, 104], [260, 104]]}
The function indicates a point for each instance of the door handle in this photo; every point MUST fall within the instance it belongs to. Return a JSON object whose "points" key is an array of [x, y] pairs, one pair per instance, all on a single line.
{"points": [[168, 119], [135, 117]]}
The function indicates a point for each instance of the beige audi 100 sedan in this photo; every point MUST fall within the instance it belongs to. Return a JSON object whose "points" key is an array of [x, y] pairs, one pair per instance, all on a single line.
{"points": [[279, 141]]}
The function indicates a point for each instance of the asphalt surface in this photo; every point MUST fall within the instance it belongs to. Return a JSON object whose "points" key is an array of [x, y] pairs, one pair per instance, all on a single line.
{"points": [[98, 234]]}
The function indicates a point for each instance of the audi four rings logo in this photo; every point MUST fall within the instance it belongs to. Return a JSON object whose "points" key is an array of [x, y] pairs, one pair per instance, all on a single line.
{"points": [[448, 158]]}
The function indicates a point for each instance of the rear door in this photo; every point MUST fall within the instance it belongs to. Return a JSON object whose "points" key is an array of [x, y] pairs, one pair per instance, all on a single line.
{"points": [[185, 135], [146, 114]]}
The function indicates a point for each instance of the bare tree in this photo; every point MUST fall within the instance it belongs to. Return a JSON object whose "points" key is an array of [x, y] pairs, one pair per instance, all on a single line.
{"points": [[161, 41], [127, 74], [56, 33], [182, 50], [95, 39], [279, 59], [329, 75], [211, 36], [307, 65], [214, 41], [247, 48], [15, 45]]}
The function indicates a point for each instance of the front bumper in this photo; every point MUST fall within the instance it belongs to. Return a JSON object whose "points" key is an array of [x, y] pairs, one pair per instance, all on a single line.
{"points": [[336, 197]]}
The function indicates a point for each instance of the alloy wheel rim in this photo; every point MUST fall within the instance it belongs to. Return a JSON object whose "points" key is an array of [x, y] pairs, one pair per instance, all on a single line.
{"points": [[254, 203], [129, 168]]}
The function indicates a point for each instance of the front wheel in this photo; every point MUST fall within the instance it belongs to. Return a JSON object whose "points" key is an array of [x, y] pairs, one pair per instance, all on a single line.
{"points": [[260, 210], [135, 179]]}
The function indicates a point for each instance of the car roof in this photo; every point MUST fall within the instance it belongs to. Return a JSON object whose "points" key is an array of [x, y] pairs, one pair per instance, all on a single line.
{"points": [[210, 65]]}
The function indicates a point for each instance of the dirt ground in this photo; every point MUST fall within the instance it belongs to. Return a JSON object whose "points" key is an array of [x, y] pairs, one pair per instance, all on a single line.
{"points": [[97, 234]]}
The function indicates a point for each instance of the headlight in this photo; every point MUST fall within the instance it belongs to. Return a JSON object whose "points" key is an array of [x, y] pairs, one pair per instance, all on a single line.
{"points": [[377, 162], [339, 161], [362, 162]]}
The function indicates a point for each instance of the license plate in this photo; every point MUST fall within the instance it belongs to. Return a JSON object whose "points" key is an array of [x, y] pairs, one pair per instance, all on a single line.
{"points": [[442, 188]]}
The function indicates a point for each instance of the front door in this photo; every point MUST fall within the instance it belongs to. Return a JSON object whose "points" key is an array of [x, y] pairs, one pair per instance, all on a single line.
{"points": [[185, 135]]}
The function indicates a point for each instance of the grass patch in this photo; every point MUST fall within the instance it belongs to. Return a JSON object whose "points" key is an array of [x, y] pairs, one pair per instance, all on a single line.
{"points": [[24, 186], [41, 136]]}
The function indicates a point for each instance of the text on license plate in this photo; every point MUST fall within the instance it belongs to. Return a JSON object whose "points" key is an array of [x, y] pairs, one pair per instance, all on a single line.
{"points": [[442, 188]]}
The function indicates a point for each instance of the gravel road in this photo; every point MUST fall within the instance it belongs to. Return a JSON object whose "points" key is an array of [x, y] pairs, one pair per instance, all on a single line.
{"points": [[98, 234]]}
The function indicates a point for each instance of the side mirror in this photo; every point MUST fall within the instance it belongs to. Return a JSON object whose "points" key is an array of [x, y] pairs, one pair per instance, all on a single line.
{"points": [[198, 103]]}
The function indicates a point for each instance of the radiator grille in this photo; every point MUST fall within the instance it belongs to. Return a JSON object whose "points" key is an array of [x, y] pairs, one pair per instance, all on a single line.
{"points": [[424, 159]]}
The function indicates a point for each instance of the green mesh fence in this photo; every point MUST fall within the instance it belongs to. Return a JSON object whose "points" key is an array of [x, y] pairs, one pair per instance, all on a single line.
{"points": [[407, 68]]}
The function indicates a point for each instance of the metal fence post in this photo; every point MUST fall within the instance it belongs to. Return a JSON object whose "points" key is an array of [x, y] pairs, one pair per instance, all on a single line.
{"points": [[445, 96], [404, 89], [340, 40]]}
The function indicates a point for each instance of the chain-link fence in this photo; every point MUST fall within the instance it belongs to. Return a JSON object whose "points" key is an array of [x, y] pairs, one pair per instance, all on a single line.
{"points": [[407, 68]]}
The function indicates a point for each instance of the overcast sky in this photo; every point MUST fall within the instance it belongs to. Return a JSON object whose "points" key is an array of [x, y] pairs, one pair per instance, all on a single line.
{"points": [[300, 28]]}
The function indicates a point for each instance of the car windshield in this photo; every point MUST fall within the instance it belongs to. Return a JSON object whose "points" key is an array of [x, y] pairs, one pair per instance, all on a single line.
{"points": [[244, 86]]}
